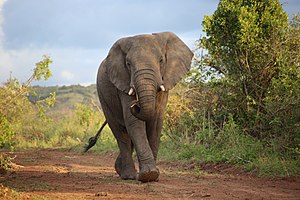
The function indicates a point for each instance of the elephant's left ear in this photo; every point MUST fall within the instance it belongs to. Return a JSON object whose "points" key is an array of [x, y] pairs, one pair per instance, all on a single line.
{"points": [[178, 58]]}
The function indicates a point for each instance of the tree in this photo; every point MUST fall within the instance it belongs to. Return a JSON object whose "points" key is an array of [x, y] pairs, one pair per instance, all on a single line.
{"points": [[252, 45]]}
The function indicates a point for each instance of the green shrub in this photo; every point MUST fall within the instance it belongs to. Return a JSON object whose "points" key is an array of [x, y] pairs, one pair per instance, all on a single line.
{"points": [[7, 134], [5, 162], [15, 107], [227, 143], [272, 164]]}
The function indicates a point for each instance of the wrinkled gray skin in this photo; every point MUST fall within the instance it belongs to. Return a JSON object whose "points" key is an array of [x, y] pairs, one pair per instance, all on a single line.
{"points": [[133, 83]]}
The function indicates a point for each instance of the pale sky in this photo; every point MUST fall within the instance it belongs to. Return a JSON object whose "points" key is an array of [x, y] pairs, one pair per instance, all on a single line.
{"points": [[77, 34]]}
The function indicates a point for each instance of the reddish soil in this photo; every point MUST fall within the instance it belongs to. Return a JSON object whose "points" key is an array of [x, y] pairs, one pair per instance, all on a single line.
{"points": [[52, 174]]}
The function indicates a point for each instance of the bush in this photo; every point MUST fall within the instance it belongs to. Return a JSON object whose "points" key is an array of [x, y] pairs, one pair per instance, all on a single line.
{"points": [[191, 130], [15, 107], [256, 50], [243, 98], [5, 163], [70, 131], [273, 164], [6, 138]]}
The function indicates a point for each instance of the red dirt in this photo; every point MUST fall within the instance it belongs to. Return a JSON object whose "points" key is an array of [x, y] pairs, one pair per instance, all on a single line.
{"points": [[52, 174]]}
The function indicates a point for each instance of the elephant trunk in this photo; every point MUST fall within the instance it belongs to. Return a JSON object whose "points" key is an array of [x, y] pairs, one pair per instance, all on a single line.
{"points": [[146, 88]]}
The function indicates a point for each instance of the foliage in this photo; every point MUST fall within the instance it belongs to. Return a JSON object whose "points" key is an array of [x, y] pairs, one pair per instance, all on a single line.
{"points": [[198, 137], [188, 115], [70, 131], [68, 123], [6, 138], [67, 132], [73, 119], [5, 163], [257, 51], [15, 106], [271, 164], [84, 114], [242, 101]]}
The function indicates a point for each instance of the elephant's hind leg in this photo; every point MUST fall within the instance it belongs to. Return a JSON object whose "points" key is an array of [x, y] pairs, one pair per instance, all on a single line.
{"points": [[124, 164]]}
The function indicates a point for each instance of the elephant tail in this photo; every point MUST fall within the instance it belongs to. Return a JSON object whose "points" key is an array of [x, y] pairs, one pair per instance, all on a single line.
{"points": [[93, 140]]}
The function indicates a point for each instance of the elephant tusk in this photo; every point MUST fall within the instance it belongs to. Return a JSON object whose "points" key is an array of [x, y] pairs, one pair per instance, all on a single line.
{"points": [[162, 87], [131, 92]]}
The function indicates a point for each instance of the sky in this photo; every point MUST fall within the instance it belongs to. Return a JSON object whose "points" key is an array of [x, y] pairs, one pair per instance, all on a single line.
{"points": [[77, 34]]}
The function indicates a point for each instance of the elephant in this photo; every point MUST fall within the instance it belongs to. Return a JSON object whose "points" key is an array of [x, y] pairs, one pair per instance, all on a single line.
{"points": [[133, 83]]}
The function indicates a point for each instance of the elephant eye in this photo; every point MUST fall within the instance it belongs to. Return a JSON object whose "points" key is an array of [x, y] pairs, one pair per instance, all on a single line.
{"points": [[127, 64]]}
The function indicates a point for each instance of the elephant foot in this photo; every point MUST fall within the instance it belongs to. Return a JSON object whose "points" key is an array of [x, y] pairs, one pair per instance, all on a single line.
{"points": [[128, 173], [129, 176], [148, 175], [125, 172]]}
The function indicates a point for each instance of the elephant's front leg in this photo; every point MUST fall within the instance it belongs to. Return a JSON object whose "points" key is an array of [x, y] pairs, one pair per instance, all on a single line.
{"points": [[137, 132], [154, 127], [147, 166]]}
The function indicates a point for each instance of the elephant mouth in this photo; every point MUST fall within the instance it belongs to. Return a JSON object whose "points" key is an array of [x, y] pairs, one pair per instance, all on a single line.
{"points": [[143, 108], [135, 107], [141, 112]]}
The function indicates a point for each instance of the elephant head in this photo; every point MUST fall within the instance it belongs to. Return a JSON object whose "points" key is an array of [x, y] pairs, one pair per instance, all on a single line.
{"points": [[146, 64]]}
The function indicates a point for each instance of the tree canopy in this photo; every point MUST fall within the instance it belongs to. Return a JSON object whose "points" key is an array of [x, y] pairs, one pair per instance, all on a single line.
{"points": [[253, 45]]}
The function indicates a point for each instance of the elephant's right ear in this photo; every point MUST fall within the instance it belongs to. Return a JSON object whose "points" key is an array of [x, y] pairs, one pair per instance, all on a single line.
{"points": [[115, 64]]}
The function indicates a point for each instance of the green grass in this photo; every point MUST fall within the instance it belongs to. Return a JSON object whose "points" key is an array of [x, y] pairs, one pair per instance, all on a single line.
{"points": [[276, 165], [234, 147], [71, 138]]}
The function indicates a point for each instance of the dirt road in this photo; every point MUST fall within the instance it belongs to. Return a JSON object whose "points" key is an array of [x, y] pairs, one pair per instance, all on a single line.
{"points": [[50, 174]]}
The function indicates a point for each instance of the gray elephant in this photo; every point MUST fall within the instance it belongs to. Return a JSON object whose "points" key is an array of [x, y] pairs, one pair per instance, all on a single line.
{"points": [[133, 83]]}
